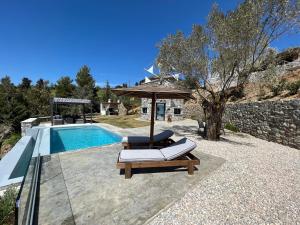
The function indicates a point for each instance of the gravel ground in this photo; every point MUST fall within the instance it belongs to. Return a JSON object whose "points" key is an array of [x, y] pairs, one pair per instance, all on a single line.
{"points": [[258, 184]]}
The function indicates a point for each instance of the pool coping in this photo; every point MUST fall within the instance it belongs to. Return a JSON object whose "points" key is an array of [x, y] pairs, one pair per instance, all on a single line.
{"points": [[10, 161], [42, 146]]}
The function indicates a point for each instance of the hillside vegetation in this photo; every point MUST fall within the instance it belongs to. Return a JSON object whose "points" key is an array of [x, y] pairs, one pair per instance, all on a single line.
{"points": [[285, 87]]}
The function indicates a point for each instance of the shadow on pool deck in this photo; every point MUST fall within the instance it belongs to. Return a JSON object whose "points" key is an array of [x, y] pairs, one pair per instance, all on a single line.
{"points": [[84, 187]]}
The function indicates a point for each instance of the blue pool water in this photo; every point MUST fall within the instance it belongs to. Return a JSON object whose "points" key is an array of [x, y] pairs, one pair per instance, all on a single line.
{"points": [[72, 138]]}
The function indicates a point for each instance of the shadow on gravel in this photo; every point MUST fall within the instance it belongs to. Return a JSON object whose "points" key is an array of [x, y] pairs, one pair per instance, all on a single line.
{"points": [[238, 134], [193, 131], [222, 139], [184, 130]]}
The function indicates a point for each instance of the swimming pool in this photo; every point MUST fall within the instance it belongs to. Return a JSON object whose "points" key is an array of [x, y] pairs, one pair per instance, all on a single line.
{"points": [[72, 138]]}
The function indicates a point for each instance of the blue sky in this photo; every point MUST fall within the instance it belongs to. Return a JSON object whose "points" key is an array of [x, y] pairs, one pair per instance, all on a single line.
{"points": [[116, 39]]}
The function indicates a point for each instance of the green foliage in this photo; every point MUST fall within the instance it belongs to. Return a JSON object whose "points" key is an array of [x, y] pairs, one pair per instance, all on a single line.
{"points": [[25, 84], [27, 100], [293, 87], [230, 47], [278, 87], [42, 84], [237, 94], [104, 94], [38, 99], [13, 139], [130, 103], [64, 87], [85, 83], [13, 104], [7, 206], [232, 127]]}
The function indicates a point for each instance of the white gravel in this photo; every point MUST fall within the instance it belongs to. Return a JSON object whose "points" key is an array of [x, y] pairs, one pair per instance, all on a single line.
{"points": [[258, 184]]}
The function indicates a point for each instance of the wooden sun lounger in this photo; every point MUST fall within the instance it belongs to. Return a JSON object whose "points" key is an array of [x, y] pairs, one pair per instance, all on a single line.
{"points": [[176, 155], [189, 161]]}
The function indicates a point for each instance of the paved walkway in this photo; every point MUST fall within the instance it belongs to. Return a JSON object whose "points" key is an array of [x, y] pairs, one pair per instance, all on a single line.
{"points": [[258, 184]]}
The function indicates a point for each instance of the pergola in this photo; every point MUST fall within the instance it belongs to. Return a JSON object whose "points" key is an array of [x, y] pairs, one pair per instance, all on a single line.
{"points": [[68, 101], [153, 92]]}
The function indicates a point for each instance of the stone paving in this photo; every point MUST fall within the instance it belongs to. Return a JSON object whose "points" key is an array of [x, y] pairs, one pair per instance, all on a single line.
{"points": [[85, 187], [259, 183]]}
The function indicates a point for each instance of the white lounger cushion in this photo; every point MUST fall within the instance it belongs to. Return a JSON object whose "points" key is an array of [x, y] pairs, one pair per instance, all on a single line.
{"points": [[141, 155], [143, 139], [179, 148]]}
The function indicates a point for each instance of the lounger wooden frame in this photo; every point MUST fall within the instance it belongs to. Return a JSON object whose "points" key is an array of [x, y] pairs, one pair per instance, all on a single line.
{"points": [[189, 161], [157, 145]]}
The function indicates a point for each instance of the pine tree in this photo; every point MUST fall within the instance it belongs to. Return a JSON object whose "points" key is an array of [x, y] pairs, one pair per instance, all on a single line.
{"points": [[85, 83], [65, 88]]}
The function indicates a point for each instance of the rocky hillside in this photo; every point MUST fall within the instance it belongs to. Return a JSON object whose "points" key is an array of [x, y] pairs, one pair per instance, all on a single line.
{"points": [[285, 87], [283, 84]]}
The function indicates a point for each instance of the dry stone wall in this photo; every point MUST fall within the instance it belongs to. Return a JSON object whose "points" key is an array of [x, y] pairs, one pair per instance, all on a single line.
{"points": [[277, 121]]}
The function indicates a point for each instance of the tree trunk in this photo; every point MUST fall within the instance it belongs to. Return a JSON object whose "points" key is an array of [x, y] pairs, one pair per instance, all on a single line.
{"points": [[214, 112]]}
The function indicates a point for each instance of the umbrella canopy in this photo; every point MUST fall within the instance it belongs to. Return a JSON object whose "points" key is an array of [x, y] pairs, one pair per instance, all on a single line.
{"points": [[146, 91], [153, 92]]}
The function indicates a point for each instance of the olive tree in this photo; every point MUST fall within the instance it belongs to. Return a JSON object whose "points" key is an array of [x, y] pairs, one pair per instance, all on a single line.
{"points": [[220, 56]]}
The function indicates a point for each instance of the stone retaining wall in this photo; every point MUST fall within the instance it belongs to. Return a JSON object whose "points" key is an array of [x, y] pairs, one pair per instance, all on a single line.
{"points": [[193, 110], [277, 121]]}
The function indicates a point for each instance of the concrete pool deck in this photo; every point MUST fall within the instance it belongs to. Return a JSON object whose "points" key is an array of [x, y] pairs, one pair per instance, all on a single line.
{"points": [[241, 180], [96, 192]]}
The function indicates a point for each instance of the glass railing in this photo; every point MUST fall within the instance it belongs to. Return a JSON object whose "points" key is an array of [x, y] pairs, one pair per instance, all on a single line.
{"points": [[26, 202]]}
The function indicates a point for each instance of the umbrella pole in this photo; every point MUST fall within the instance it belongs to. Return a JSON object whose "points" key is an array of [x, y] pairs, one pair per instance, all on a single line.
{"points": [[152, 120]]}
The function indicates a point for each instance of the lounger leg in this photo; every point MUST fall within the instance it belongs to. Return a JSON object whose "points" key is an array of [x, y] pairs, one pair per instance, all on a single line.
{"points": [[125, 145], [190, 169], [127, 171]]}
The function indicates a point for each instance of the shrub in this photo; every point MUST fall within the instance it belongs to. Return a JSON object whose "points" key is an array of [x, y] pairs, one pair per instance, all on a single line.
{"points": [[238, 94], [13, 139], [277, 88], [232, 127], [293, 87], [7, 206]]}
